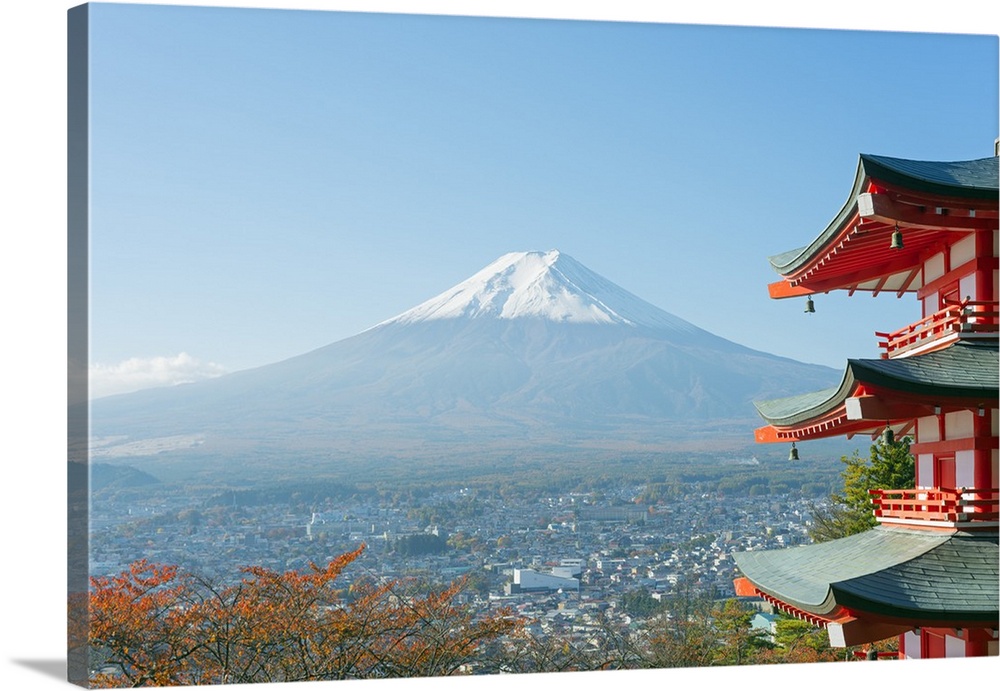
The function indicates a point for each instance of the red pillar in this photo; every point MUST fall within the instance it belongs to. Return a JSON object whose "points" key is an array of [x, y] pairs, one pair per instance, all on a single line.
{"points": [[983, 455], [984, 276]]}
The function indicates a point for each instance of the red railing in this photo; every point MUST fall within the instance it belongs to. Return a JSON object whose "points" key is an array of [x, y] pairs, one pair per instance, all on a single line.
{"points": [[965, 317], [963, 507]]}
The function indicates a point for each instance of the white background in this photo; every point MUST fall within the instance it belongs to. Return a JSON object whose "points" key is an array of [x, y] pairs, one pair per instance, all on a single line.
{"points": [[33, 318]]}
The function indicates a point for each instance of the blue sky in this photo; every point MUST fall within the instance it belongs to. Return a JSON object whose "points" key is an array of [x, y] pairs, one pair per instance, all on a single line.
{"points": [[267, 182]]}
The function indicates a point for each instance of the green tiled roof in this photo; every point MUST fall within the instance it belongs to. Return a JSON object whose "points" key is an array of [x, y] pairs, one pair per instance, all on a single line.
{"points": [[922, 575], [795, 409], [966, 369], [976, 179]]}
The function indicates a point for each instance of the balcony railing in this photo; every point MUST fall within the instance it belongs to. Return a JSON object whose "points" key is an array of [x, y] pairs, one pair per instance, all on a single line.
{"points": [[939, 507], [968, 317]]}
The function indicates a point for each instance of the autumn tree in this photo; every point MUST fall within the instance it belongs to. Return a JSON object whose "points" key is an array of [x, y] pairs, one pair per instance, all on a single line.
{"points": [[527, 652], [140, 630], [606, 645], [397, 633], [154, 626], [798, 641], [682, 636]]}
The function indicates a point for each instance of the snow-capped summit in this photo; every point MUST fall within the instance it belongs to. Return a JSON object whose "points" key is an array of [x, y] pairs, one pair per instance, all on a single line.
{"points": [[535, 354], [548, 285]]}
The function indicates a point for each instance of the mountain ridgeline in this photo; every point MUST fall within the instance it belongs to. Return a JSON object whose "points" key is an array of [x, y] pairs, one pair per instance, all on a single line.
{"points": [[533, 354]]}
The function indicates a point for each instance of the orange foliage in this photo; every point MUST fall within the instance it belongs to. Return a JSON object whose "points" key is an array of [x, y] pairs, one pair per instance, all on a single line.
{"points": [[152, 626]]}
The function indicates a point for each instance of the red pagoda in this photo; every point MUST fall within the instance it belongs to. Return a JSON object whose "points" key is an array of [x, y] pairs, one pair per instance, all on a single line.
{"points": [[928, 572]]}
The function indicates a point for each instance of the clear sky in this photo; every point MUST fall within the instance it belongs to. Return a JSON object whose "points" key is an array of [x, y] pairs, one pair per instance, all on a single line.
{"points": [[266, 182]]}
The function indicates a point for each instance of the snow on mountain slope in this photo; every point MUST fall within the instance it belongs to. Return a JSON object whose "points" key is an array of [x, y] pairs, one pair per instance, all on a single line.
{"points": [[548, 285], [535, 351]]}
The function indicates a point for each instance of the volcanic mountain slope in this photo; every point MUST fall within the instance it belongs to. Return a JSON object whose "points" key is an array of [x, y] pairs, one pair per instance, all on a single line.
{"points": [[535, 349]]}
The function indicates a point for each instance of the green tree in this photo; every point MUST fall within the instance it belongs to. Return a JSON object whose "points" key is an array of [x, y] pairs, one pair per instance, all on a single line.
{"points": [[419, 544], [889, 465], [794, 635], [738, 642], [639, 603]]}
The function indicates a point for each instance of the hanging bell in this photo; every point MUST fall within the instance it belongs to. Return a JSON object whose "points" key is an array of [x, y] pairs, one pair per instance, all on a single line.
{"points": [[810, 307], [897, 239], [888, 437], [793, 454]]}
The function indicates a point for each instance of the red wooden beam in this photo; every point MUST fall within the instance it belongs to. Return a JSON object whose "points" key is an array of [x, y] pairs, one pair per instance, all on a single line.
{"points": [[879, 408], [958, 206], [979, 264], [953, 445], [782, 289], [851, 631], [909, 281], [881, 207]]}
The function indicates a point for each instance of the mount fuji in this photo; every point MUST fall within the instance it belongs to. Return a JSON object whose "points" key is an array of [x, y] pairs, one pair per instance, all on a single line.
{"points": [[535, 354]]}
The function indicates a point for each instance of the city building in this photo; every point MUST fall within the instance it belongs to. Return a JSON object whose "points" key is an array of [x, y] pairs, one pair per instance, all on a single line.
{"points": [[927, 572], [531, 581]]}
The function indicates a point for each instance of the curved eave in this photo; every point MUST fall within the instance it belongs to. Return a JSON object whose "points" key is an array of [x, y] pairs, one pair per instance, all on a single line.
{"points": [[853, 251], [973, 180], [790, 261], [965, 373], [888, 573], [809, 407]]}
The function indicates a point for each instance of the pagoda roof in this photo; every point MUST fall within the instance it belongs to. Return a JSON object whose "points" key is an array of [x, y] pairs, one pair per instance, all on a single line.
{"points": [[888, 573], [922, 198], [964, 373], [976, 179]]}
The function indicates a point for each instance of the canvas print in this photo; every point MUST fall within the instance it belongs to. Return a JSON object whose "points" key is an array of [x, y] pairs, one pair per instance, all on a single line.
{"points": [[413, 346]]}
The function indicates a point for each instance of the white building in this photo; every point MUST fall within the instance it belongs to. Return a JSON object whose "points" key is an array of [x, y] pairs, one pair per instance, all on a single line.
{"points": [[529, 580]]}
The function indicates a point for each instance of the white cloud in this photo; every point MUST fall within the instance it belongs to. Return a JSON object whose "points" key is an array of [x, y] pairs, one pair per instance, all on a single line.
{"points": [[145, 373]]}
